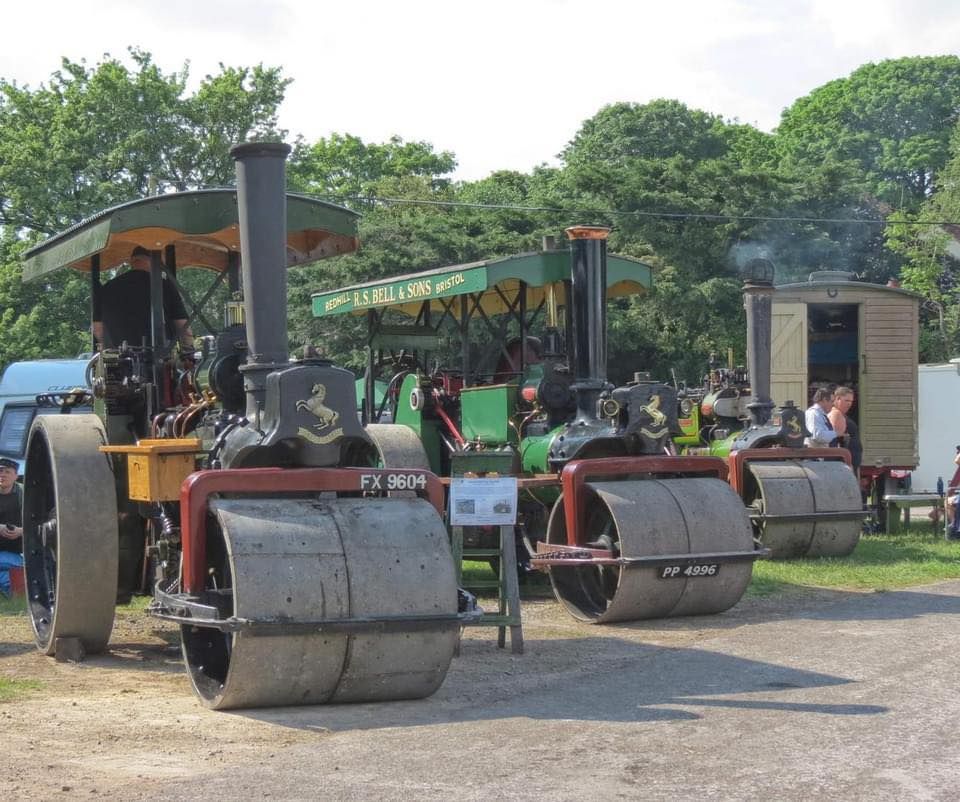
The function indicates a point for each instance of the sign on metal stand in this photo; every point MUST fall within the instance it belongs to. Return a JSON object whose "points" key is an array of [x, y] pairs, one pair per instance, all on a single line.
{"points": [[491, 502], [483, 502]]}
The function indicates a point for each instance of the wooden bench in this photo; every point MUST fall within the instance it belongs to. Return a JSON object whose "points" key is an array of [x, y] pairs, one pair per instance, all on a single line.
{"points": [[896, 502]]}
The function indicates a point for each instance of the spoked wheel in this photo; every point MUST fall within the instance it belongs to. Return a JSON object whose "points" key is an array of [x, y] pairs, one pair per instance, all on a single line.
{"points": [[588, 591], [288, 563], [70, 542], [806, 488], [648, 518]]}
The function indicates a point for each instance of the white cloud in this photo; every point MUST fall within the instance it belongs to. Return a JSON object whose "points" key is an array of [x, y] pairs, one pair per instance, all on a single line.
{"points": [[505, 85]]}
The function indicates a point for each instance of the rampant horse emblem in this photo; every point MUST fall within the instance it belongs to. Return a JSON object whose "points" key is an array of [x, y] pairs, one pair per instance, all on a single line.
{"points": [[658, 419], [315, 406], [791, 426], [325, 416]]}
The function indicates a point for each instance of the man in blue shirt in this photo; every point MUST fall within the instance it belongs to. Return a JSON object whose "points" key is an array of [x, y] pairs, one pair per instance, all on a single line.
{"points": [[822, 434]]}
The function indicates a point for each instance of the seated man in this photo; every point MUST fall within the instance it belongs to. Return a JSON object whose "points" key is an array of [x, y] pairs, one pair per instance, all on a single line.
{"points": [[121, 311], [508, 366], [11, 523]]}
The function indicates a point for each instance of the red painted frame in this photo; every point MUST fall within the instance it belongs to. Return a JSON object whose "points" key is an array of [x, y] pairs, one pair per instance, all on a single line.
{"points": [[738, 459], [197, 488], [575, 474]]}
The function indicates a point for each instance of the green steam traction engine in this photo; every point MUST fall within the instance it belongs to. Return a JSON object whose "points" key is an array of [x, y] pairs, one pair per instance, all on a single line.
{"points": [[626, 529]]}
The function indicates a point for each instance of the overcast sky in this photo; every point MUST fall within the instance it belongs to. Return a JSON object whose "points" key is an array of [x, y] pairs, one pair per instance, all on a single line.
{"points": [[504, 84]]}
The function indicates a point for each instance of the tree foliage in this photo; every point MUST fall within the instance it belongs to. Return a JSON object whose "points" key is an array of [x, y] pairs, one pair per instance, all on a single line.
{"points": [[343, 166], [891, 122], [932, 259], [688, 191], [93, 137], [682, 195]]}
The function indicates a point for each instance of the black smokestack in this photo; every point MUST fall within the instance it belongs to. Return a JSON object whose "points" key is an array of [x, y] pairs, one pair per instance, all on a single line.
{"points": [[757, 275], [262, 202], [588, 315], [262, 207]]}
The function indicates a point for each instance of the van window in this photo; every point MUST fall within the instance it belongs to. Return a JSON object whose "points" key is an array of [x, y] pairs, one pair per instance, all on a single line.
{"points": [[14, 427]]}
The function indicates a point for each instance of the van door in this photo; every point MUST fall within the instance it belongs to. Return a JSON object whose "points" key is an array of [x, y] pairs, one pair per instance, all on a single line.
{"points": [[888, 383], [788, 354]]}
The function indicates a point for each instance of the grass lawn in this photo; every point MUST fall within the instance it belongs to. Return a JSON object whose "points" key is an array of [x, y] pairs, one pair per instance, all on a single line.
{"points": [[13, 606], [11, 689], [880, 562]]}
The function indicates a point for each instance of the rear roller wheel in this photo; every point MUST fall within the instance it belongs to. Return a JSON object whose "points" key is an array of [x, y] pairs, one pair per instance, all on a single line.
{"points": [[397, 446], [806, 487], [70, 532], [645, 519], [297, 560]]}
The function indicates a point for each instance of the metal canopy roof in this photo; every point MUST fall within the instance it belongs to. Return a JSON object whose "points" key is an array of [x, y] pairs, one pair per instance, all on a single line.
{"points": [[497, 281], [803, 287], [203, 227]]}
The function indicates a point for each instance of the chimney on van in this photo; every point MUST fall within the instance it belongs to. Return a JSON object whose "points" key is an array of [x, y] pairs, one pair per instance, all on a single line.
{"points": [[757, 275]]}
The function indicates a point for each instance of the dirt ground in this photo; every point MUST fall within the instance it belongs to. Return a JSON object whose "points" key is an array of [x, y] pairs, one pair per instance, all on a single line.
{"points": [[124, 724]]}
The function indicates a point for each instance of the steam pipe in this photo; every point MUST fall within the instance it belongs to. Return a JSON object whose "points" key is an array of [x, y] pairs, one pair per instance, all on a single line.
{"points": [[758, 304], [158, 332], [94, 301], [588, 314], [262, 210]]}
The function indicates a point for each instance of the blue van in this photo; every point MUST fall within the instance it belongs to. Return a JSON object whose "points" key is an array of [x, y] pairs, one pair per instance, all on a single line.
{"points": [[20, 385]]}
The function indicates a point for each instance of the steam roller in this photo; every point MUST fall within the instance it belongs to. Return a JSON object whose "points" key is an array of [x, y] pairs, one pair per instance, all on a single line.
{"points": [[236, 484], [636, 532], [803, 501]]}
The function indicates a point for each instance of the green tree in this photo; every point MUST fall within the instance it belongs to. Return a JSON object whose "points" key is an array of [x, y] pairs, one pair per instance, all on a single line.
{"points": [[890, 121], [93, 137], [434, 223], [681, 180], [343, 166], [396, 238], [932, 255]]}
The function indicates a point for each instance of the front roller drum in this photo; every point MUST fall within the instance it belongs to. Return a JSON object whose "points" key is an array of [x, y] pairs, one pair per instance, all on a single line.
{"points": [[806, 508], [275, 565], [650, 518]]}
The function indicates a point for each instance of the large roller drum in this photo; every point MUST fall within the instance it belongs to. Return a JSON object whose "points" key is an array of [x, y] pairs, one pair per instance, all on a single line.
{"points": [[282, 563], [397, 446], [806, 489], [70, 539], [649, 518]]}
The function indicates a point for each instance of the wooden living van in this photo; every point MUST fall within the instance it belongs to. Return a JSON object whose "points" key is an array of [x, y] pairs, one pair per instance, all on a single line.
{"points": [[832, 330]]}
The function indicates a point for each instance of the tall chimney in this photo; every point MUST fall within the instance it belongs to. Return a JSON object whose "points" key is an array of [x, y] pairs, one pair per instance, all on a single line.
{"points": [[588, 314], [262, 208], [757, 275]]}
